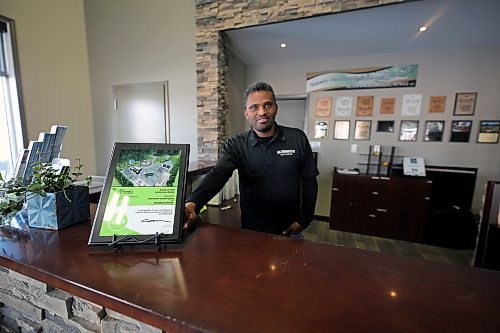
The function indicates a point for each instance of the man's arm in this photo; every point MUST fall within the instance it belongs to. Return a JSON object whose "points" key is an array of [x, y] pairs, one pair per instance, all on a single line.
{"points": [[210, 185]]}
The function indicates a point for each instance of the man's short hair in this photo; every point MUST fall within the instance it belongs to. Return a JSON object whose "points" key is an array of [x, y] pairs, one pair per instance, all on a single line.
{"points": [[258, 86]]}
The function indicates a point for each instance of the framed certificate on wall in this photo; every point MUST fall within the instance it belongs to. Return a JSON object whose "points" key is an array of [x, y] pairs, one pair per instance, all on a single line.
{"points": [[143, 196], [465, 104]]}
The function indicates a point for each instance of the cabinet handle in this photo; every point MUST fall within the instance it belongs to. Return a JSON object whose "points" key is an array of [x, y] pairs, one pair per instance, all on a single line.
{"points": [[427, 198], [382, 210], [375, 193], [335, 189], [385, 178], [375, 177], [372, 215]]}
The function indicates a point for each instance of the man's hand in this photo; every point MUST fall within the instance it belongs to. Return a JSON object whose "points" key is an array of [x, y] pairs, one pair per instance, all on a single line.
{"points": [[293, 229], [190, 216]]}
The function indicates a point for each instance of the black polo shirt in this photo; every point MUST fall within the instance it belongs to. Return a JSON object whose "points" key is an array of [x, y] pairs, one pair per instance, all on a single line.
{"points": [[277, 179]]}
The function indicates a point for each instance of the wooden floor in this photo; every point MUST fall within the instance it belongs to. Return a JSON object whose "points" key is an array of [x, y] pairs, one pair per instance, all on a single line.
{"points": [[228, 214]]}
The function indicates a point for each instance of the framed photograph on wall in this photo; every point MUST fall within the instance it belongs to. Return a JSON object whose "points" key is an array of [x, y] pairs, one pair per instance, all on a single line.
{"points": [[488, 131], [465, 104], [408, 130], [385, 126], [143, 197], [341, 130], [320, 129], [362, 129], [460, 130], [433, 130]]}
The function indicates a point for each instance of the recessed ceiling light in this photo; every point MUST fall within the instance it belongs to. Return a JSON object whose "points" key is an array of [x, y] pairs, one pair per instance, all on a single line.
{"points": [[423, 28], [282, 45]]}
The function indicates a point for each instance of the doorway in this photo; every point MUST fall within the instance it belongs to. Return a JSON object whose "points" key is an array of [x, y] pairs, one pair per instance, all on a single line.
{"points": [[292, 112], [141, 112]]}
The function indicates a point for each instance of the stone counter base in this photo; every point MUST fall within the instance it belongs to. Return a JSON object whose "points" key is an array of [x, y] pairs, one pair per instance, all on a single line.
{"points": [[28, 305]]}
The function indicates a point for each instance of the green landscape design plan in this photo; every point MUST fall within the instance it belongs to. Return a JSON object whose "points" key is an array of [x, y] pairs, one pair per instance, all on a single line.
{"points": [[143, 193]]}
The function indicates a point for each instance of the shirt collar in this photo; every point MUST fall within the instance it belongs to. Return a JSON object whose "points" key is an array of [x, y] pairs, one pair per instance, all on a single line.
{"points": [[279, 135]]}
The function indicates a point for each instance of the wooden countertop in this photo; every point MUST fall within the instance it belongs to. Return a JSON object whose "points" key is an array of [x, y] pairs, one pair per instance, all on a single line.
{"points": [[228, 280]]}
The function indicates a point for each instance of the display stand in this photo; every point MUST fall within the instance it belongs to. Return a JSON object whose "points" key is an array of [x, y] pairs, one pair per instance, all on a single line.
{"points": [[132, 240], [380, 160]]}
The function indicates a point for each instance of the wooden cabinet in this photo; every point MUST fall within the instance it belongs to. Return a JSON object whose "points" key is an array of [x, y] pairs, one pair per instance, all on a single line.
{"points": [[487, 253], [393, 207]]}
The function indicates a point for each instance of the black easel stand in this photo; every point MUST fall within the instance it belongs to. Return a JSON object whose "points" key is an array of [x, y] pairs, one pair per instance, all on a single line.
{"points": [[154, 240]]}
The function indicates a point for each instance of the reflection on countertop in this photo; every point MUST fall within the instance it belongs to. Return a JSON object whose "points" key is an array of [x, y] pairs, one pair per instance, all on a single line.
{"points": [[230, 280]]}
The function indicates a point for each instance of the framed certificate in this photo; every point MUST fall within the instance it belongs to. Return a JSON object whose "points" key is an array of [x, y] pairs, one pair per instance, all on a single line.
{"points": [[362, 129], [143, 196], [343, 106], [437, 104], [411, 105], [387, 105], [364, 106], [324, 107], [341, 130], [465, 104]]}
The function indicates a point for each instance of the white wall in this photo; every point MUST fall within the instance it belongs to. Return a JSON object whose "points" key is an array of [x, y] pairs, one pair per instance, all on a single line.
{"points": [[54, 72], [441, 72], [133, 42]]}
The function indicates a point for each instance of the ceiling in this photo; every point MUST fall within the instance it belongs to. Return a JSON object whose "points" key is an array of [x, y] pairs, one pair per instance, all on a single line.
{"points": [[392, 28]]}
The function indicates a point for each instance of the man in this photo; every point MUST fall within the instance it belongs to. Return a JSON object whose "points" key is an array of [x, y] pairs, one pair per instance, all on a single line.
{"points": [[277, 173]]}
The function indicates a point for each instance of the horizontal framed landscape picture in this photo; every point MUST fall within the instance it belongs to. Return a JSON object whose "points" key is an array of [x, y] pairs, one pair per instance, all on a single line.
{"points": [[143, 196], [489, 131]]}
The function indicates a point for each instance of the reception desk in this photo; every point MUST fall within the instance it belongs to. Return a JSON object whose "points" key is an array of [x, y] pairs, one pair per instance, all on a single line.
{"points": [[229, 280]]}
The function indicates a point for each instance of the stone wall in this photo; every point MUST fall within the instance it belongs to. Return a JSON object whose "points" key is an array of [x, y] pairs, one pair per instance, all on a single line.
{"points": [[28, 305], [212, 18]]}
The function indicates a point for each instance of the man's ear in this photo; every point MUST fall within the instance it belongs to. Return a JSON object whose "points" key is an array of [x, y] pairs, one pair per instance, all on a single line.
{"points": [[245, 113]]}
